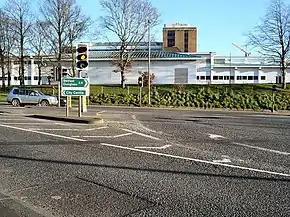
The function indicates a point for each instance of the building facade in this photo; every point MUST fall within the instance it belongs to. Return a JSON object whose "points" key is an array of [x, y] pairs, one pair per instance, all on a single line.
{"points": [[180, 38], [168, 67]]}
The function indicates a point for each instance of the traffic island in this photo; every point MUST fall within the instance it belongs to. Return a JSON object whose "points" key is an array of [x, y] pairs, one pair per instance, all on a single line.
{"points": [[80, 120]]}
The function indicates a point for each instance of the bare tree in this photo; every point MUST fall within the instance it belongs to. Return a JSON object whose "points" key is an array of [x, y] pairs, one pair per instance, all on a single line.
{"points": [[7, 42], [19, 13], [272, 36], [79, 26], [129, 20], [39, 45], [61, 15]]}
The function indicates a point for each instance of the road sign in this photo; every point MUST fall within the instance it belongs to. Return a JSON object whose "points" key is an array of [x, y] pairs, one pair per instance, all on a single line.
{"points": [[75, 87], [75, 82], [74, 93]]}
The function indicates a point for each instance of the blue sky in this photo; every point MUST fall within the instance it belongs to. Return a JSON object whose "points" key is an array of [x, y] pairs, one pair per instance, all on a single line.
{"points": [[219, 22]]}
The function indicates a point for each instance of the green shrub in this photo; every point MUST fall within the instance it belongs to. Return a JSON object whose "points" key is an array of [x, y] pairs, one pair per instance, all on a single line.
{"points": [[204, 97]]}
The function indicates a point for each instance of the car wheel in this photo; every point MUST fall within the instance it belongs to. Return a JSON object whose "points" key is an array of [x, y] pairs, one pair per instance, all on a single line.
{"points": [[44, 103], [15, 103]]}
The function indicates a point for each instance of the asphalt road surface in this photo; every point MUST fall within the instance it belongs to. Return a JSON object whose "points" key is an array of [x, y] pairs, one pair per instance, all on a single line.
{"points": [[144, 162]]}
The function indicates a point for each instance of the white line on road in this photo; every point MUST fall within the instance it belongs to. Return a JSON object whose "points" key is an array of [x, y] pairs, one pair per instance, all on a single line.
{"points": [[57, 129], [33, 123], [141, 134], [100, 112], [213, 136], [197, 160], [162, 147], [43, 133], [116, 136], [262, 149]]}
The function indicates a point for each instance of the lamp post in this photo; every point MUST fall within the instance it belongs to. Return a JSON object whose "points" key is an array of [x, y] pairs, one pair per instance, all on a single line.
{"points": [[149, 56]]}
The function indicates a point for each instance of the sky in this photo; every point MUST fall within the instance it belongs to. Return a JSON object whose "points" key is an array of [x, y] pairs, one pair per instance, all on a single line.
{"points": [[219, 22]]}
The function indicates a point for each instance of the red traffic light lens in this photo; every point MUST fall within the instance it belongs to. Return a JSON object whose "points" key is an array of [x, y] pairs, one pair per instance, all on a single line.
{"points": [[82, 49]]}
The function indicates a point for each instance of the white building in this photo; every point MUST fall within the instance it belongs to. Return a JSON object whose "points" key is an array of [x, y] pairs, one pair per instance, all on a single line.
{"points": [[168, 67]]}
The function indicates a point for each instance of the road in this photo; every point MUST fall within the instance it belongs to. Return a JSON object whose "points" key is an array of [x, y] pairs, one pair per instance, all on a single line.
{"points": [[144, 162]]}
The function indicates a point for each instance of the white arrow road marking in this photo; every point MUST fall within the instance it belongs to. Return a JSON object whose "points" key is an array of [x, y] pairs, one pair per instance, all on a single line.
{"points": [[162, 147], [213, 136], [57, 129], [262, 149], [224, 160], [116, 136], [197, 160]]}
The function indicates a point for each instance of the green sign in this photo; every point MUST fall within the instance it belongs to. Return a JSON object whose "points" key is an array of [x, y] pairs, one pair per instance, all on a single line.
{"points": [[74, 93], [75, 82]]}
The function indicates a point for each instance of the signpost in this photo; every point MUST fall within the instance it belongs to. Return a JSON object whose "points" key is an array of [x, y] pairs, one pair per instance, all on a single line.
{"points": [[74, 87]]}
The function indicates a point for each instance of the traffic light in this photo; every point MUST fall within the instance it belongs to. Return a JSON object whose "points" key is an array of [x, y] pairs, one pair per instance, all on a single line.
{"points": [[82, 57], [140, 81]]}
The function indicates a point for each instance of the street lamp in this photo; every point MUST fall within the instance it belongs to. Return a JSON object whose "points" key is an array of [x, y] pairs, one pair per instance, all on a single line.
{"points": [[149, 56]]}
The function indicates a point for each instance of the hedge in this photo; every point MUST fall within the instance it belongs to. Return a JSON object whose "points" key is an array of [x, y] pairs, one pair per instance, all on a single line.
{"points": [[204, 98]]}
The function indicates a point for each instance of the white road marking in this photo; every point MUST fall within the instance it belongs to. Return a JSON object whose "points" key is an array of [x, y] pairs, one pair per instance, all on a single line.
{"points": [[101, 112], [57, 129], [213, 136], [224, 160], [142, 134], [33, 123], [43, 133], [56, 197], [116, 136], [162, 147], [262, 149], [197, 160]]}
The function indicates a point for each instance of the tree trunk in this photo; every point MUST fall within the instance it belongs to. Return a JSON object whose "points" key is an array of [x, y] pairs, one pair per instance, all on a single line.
{"points": [[39, 74], [73, 65], [284, 73], [3, 73], [123, 79]]}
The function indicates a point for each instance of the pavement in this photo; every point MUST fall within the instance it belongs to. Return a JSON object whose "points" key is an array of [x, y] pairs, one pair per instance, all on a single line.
{"points": [[144, 162]]}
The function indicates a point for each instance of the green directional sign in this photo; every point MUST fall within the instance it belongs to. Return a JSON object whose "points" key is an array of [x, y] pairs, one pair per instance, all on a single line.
{"points": [[75, 87], [75, 82], [74, 93]]}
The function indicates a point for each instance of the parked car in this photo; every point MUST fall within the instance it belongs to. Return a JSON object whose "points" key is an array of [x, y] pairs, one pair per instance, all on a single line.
{"points": [[22, 97]]}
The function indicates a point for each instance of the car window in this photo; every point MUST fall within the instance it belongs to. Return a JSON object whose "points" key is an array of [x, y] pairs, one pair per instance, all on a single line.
{"points": [[33, 93], [16, 91], [21, 92]]}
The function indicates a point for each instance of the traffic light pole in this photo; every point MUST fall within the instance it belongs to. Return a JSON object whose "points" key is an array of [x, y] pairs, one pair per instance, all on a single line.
{"points": [[80, 98]]}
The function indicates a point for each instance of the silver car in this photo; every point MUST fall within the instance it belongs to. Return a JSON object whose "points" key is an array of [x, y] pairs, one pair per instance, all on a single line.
{"points": [[21, 97]]}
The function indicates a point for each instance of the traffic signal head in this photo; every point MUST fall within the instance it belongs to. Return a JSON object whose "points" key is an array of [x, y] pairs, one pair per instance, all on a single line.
{"points": [[140, 81], [82, 60]]}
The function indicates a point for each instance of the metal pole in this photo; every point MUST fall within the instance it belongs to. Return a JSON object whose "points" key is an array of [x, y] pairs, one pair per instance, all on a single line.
{"points": [[140, 96], [67, 107], [59, 93], [149, 58], [80, 98]]}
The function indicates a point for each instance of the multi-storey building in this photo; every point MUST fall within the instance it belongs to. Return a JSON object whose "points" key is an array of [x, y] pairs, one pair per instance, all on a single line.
{"points": [[180, 38]]}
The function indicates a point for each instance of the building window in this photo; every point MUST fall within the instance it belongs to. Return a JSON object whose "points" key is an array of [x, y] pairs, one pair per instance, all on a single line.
{"points": [[35, 78], [171, 38], [215, 78], [263, 77], [15, 78], [221, 77], [244, 77], [207, 77], [202, 77], [250, 78], [256, 77], [226, 77], [232, 77], [186, 41], [239, 77], [197, 77]]}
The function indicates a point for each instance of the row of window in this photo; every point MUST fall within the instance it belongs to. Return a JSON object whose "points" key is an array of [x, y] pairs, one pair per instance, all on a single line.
{"points": [[249, 78], [26, 78]]}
